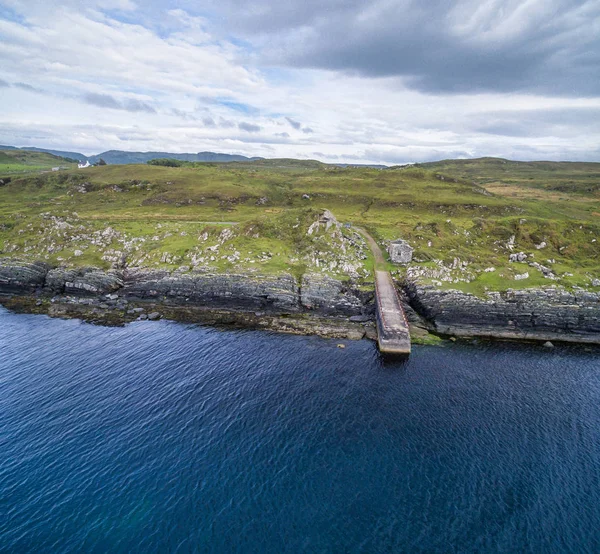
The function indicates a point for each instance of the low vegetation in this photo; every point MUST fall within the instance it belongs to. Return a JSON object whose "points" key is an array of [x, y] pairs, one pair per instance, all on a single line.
{"points": [[24, 161], [462, 221]]}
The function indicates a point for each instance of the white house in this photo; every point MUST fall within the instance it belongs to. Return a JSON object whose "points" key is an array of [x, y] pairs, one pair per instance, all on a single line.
{"points": [[82, 166]]}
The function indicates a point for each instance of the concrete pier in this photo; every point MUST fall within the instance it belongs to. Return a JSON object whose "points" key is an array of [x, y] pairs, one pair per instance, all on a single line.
{"points": [[393, 336]]}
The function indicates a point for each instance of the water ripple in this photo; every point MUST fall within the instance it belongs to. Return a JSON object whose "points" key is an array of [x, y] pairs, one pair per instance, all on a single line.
{"points": [[159, 437]]}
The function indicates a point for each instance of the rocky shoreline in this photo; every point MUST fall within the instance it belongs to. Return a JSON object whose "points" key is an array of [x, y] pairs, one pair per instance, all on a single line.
{"points": [[315, 304]]}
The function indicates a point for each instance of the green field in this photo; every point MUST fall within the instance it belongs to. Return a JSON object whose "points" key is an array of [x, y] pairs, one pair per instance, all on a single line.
{"points": [[461, 218]]}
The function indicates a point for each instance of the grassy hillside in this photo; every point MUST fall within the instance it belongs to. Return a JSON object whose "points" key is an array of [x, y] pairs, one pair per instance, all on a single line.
{"points": [[15, 161], [558, 180], [257, 215]]}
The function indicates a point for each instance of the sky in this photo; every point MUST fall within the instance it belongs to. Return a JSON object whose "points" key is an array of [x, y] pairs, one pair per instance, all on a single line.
{"points": [[342, 81]]}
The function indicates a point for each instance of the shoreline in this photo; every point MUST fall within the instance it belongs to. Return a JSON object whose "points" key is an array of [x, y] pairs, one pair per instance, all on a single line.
{"points": [[313, 305]]}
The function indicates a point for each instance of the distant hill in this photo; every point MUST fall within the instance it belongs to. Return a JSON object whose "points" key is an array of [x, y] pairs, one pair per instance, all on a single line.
{"points": [[13, 160], [578, 177], [124, 157], [370, 166], [59, 153]]}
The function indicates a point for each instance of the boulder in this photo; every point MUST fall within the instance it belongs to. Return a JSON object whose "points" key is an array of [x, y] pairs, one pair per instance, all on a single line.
{"points": [[517, 257]]}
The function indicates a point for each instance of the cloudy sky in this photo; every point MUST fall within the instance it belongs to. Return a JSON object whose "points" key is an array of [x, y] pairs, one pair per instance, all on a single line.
{"points": [[384, 81]]}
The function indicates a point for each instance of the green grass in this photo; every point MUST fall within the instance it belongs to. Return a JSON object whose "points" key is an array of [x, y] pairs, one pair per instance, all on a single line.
{"points": [[24, 161], [467, 216]]}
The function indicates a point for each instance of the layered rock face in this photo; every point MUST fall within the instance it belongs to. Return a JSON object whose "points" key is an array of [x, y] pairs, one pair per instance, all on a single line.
{"points": [[85, 281], [281, 293], [235, 291], [544, 314], [326, 295], [21, 277]]}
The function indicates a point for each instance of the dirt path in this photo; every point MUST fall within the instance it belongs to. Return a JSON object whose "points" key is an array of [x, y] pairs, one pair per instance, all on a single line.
{"points": [[377, 253]]}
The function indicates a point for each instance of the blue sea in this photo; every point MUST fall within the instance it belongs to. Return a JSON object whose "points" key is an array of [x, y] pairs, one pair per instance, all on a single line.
{"points": [[163, 437]]}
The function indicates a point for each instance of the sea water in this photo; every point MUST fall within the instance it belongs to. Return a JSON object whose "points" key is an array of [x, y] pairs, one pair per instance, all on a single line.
{"points": [[163, 437]]}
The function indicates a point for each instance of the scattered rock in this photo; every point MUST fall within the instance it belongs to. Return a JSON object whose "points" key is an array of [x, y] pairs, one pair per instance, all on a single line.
{"points": [[520, 257], [522, 276], [541, 245], [360, 318], [341, 346], [548, 344], [153, 316]]}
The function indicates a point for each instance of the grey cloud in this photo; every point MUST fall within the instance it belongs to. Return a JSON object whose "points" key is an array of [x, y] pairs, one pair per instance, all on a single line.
{"points": [[437, 46], [409, 154], [4, 83], [538, 123], [295, 124], [108, 101], [27, 87], [249, 127], [307, 130], [102, 100], [133, 105], [282, 135], [226, 123], [321, 155], [208, 122], [183, 114], [264, 16]]}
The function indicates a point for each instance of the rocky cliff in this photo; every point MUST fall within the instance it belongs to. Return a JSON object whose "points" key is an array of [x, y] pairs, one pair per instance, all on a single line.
{"points": [[316, 293], [549, 313]]}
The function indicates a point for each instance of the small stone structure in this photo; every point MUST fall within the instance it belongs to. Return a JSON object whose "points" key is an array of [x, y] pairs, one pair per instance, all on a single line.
{"points": [[400, 251]]}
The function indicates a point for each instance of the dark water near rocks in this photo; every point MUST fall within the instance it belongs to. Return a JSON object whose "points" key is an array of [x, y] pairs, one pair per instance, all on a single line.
{"points": [[160, 437]]}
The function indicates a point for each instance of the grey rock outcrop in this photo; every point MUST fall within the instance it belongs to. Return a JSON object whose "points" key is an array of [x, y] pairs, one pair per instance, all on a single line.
{"points": [[86, 281], [18, 276], [543, 314], [400, 252], [324, 294], [236, 291], [517, 257]]}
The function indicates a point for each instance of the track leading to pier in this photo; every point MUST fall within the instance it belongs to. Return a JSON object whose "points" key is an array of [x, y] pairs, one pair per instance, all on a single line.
{"points": [[393, 336]]}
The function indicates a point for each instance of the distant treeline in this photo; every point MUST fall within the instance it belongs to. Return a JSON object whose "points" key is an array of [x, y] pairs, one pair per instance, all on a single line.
{"points": [[172, 162], [167, 162]]}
